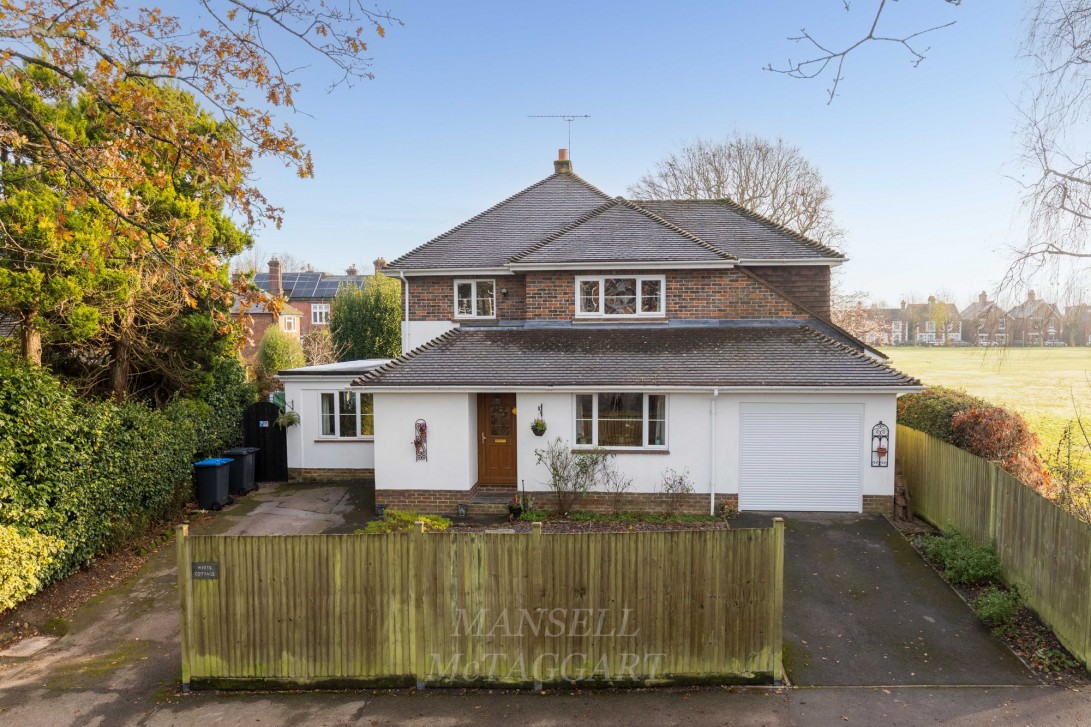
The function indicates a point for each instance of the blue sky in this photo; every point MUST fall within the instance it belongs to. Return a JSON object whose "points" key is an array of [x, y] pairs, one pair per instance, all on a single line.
{"points": [[918, 159]]}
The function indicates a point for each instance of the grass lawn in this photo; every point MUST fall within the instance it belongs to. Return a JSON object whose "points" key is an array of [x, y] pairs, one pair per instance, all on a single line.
{"points": [[1039, 383]]}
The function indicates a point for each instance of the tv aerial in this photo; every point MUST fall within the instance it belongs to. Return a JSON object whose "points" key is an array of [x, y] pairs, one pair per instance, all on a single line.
{"points": [[566, 117]]}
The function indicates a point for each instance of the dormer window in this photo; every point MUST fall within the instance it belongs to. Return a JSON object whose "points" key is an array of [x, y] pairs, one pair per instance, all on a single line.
{"points": [[599, 296], [475, 299]]}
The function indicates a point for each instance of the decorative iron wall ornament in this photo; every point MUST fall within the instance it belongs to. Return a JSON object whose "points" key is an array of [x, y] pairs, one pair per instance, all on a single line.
{"points": [[420, 439], [880, 445]]}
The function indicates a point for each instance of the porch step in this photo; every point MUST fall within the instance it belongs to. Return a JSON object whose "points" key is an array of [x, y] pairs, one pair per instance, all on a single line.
{"points": [[491, 501]]}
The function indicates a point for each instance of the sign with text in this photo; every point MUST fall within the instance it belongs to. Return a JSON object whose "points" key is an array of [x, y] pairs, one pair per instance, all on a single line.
{"points": [[205, 571]]}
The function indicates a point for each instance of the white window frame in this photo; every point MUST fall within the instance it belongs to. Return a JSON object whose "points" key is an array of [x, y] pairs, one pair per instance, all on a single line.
{"points": [[473, 298], [320, 314], [644, 422], [601, 312], [289, 324], [336, 436]]}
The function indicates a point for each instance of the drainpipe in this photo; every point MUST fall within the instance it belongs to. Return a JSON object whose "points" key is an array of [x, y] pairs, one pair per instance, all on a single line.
{"points": [[405, 284], [712, 453]]}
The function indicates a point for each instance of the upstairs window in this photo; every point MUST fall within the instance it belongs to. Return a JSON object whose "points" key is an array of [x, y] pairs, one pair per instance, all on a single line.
{"points": [[289, 324], [475, 299], [347, 415], [643, 295], [320, 314], [621, 420]]}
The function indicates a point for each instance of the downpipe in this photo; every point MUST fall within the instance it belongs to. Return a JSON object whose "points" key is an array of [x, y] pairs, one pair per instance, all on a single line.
{"points": [[712, 452]]}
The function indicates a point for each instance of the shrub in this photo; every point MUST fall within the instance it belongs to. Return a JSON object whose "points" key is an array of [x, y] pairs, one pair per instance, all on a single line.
{"points": [[615, 484], [963, 561], [279, 351], [932, 410], [675, 485], [997, 607], [404, 521], [571, 474], [995, 433], [25, 558]]}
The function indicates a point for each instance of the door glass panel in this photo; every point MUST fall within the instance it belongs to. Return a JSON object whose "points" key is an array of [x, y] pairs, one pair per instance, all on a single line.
{"points": [[499, 418], [621, 420], [347, 419], [589, 296], [620, 296], [650, 301]]}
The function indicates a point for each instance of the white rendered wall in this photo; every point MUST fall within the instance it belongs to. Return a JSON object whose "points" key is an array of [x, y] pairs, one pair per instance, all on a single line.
{"points": [[307, 449], [418, 333], [452, 444]]}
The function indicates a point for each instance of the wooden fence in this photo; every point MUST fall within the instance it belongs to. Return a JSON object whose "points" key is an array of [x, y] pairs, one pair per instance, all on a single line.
{"points": [[1045, 551], [468, 608]]}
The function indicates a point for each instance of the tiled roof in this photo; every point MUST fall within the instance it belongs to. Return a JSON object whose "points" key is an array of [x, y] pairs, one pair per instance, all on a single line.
{"points": [[741, 232], [259, 309], [8, 326], [621, 231], [508, 228], [1031, 309], [706, 356]]}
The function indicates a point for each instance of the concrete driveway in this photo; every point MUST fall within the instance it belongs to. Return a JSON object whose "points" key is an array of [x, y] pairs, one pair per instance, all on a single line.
{"points": [[861, 607]]}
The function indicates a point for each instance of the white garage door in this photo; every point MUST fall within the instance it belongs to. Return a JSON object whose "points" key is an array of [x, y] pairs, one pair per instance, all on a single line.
{"points": [[801, 457]]}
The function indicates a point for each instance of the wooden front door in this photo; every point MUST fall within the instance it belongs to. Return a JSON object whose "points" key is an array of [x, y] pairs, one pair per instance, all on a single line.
{"points": [[496, 439]]}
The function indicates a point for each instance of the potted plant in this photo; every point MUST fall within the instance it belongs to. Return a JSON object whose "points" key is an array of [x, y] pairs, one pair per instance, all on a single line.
{"points": [[538, 426], [288, 418], [515, 508]]}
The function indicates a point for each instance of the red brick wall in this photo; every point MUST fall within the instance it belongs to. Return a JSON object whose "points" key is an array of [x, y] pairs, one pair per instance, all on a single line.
{"points": [[722, 293], [445, 502], [432, 298], [259, 324], [808, 285], [882, 504]]}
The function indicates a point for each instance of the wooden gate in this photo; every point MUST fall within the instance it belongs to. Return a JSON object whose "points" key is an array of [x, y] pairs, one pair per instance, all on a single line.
{"points": [[260, 430]]}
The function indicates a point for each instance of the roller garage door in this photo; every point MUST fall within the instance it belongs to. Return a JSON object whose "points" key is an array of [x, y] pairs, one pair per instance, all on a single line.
{"points": [[801, 457]]}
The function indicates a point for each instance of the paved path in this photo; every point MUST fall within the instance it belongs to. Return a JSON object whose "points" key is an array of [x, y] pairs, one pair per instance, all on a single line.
{"points": [[119, 666], [861, 607]]}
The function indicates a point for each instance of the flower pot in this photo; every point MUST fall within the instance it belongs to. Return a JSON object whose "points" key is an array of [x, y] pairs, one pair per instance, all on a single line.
{"points": [[538, 432], [515, 511]]}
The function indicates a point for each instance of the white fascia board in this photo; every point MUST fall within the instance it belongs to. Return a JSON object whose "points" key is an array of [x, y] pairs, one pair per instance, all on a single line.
{"points": [[624, 265], [461, 272], [831, 261], [651, 388]]}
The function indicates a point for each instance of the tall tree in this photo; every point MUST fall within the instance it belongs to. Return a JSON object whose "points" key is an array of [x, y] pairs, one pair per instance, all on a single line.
{"points": [[366, 322], [772, 178], [110, 59]]}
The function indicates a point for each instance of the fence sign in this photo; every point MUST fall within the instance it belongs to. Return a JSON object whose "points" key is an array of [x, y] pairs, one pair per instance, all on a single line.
{"points": [[206, 571]]}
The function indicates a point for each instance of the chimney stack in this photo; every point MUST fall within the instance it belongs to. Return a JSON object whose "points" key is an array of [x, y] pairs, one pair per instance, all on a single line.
{"points": [[983, 298], [276, 286], [931, 299], [903, 305], [379, 264], [563, 165], [351, 270], [1030, 295]]}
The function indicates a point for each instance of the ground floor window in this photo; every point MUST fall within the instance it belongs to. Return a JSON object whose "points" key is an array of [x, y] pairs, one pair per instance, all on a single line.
{"points": [[347, 414], [631, 420]]}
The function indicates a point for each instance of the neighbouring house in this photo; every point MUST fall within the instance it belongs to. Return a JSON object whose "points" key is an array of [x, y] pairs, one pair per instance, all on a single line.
{"points": [[1077, 325], [984, 323], [335, 437], [1035, 321], [934, 323], [262, 319], [309, 291], [686, 335]]}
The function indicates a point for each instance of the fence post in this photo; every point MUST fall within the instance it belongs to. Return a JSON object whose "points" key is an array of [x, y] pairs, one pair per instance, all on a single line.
{"points": [[416, 603], [185, 596], [777, 631], [536, 586]]}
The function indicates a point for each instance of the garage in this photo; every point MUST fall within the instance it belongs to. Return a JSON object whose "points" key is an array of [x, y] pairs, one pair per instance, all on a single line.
{"points": [[800, 457]]}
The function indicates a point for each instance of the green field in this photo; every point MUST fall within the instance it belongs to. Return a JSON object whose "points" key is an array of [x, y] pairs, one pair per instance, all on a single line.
{"points": [[1039, 383]]}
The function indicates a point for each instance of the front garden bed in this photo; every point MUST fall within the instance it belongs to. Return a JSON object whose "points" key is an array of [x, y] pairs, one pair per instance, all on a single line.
{"points": [[973, 572], [581, 522]]}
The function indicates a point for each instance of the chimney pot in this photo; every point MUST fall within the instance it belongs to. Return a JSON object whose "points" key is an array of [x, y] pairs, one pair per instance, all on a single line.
{"points": [[563, 165], [379, 264], [351, 270]]}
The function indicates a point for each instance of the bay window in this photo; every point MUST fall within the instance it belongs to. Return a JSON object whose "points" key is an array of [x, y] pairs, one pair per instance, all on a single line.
{"points": [[640, 295], [621, 420], [475, 299], [347, 414]]}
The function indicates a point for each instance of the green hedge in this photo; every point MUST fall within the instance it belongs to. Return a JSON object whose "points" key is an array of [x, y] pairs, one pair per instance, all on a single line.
{"points": [[24, 559], [932, 410], [94, 474]]}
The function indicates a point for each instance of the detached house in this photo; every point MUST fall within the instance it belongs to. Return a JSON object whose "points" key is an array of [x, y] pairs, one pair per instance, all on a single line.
{"points": [[310, 292], [984, 323], [1035, 322], [690, 335]]}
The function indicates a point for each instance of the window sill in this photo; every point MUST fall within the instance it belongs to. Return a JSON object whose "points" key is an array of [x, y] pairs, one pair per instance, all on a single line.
{"points": [[620, 450], [343, 440], [620, 319]]}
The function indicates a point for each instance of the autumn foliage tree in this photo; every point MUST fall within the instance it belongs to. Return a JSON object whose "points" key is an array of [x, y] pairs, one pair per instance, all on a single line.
{"points": [[88, 146]]}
